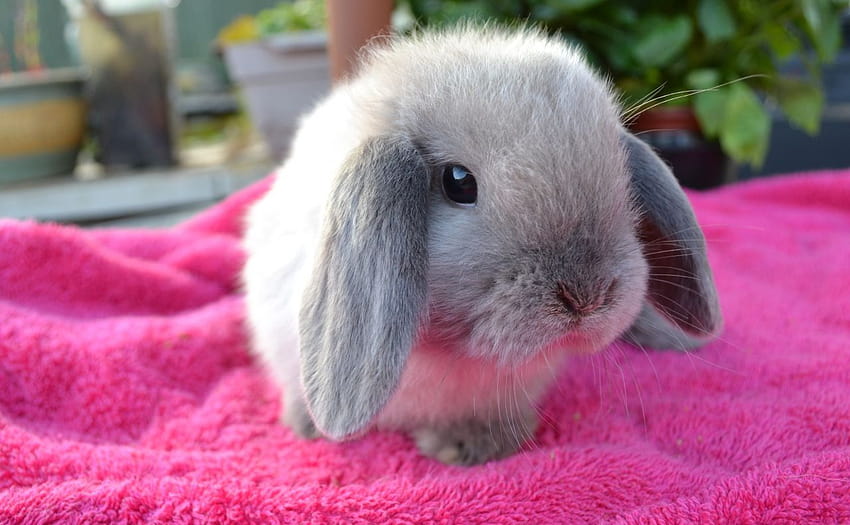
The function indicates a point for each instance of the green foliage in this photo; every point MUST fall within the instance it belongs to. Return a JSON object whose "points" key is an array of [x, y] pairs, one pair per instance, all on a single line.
{"points": [[286, 17], [735, 49], [715, 20], [662, 39], [300, 15], [710, 107], [802, 102], [745, 125]]}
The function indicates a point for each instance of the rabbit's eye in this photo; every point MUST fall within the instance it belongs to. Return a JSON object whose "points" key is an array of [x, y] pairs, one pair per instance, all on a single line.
{"points": [[459, 185]]}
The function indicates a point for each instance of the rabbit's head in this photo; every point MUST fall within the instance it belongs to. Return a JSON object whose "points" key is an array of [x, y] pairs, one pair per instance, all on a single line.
{"points": [[498, 209]]}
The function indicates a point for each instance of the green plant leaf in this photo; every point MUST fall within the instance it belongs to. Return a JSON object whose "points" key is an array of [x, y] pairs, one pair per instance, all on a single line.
{"points": [[802, 102], [710, 107], [572, 6], [618, 56], [662, 39], [812, 12], [824, 24], [544, 13], [300, 15], [745, 130], [424, 10], [507, 8], [621, 14], [704, 78], [715, 20], [830, 38], [452, 12], [781, 41]]}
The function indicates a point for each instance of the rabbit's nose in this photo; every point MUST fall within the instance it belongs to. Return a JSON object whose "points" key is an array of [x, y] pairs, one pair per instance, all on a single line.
{"points": [[582, 304]]}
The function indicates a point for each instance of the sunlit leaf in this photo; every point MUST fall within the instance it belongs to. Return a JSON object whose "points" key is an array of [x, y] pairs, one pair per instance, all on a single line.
{"points": [[243, 29], [781, 41], [745, 130], [802, 102], [703, 78], [830, 39], [662, 39], [812, 12], [824, 27], [710, 107], [715, 20]]}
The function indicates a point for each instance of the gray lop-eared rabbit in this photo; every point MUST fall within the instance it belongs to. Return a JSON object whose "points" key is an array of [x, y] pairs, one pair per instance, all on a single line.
{"points": [[451, 224]]}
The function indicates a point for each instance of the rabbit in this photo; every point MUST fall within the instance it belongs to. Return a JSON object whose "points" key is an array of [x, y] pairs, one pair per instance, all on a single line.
{"points": [[452, 223]]}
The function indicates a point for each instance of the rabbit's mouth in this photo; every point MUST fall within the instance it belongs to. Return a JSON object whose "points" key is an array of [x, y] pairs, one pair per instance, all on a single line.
{"points": [[580, 342], [517, 336]]}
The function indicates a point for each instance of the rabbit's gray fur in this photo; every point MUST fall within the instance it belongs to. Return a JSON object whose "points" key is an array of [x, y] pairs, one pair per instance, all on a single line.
{"points": [[377, 302], [368, 291]]}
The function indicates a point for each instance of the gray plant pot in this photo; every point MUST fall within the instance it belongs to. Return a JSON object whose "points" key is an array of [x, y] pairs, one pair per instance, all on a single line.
{"points": [[281, 77]]}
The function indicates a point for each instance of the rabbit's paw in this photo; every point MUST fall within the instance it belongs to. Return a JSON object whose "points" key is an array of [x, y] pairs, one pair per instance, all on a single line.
{"points": [[297, 417], [472, 442]]}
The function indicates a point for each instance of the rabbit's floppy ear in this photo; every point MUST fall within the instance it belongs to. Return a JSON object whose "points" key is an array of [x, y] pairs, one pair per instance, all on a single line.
{"points": [[681, 310], [362, 308]]}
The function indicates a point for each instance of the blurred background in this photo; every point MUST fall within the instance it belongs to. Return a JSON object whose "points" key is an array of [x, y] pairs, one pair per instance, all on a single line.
{"points": [[142, 112]]}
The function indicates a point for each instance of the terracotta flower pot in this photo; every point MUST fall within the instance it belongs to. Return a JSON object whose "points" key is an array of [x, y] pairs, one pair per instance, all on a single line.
{"points": [[42, 123], [675, 134]]}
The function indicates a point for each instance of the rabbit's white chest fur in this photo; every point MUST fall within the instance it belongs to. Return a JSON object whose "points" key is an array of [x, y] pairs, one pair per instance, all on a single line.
{"points": [[437, 387], [283, 233]]}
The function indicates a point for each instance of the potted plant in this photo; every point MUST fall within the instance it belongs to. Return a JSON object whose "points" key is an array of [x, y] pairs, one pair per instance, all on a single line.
{"points": [[42, 112], [279, 59], [697, 78]]}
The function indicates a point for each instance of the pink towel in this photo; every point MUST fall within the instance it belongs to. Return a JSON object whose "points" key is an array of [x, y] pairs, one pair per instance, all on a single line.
{"points": [[127, 392]]}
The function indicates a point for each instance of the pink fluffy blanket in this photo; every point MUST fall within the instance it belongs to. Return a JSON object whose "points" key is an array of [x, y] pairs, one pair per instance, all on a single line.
{"points": [[127, 392]]}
